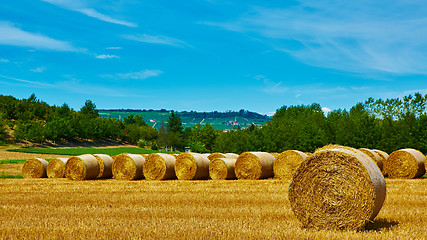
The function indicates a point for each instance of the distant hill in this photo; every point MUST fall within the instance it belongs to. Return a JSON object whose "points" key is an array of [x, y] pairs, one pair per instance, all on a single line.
{"points": [[219, 120]]}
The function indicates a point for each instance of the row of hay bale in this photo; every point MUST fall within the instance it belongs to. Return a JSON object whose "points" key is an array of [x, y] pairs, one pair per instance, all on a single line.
{"points": [[404, 163]]}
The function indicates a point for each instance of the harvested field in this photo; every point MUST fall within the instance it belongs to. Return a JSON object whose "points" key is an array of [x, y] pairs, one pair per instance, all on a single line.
{"points": [[233, 209]]}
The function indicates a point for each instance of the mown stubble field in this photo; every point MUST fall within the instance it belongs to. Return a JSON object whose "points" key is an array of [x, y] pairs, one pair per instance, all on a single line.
{"points": [[256, 209]]}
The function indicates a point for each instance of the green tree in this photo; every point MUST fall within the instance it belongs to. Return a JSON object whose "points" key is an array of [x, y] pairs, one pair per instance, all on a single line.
{"points": [[89, 110]]}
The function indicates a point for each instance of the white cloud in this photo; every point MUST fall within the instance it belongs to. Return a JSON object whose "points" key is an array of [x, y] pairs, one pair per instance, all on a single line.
{"points": [[14, 36], [157, 40], [4, 60], [354, 36], [80, 6], [105, 56], [298, 95], [140, 75], [38, 69], [326, 110], [271, 86], [114, 48], [33, 83]]}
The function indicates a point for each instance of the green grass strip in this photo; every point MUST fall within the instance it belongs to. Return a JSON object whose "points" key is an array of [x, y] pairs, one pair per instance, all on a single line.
{"points": [[13, 161], [10, 176], [80, 151]]}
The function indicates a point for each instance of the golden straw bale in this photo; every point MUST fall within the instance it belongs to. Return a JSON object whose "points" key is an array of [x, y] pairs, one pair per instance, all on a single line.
{"points": [[82, 167], [374, 156], [159, 166], [190, 166], [405, 163], [216, 155], [231, 155], [222, 168], [383, 155], [128, 166], [56, 168], [34, 168], [105, 166], [254, 165], [337, 189], [287, 162], [276, 155]]}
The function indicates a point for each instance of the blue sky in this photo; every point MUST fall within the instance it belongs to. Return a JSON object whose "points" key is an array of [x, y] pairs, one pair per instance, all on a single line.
{"points": [[209, 55]]}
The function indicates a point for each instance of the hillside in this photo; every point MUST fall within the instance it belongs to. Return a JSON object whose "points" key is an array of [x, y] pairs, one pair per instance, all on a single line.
{"points": [[219, 120]]}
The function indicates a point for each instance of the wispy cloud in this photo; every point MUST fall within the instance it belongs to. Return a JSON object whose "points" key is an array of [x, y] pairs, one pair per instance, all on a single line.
{"points": [[271, 86], [33, 83], [3, 60], [114, 48], [354, 36], [140, 75], [157, 40], [38, 69], [81, 7], [106, 56], [14, 36]]}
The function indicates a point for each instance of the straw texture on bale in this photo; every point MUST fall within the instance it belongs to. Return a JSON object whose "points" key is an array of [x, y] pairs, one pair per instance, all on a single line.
{"points": [[222, 168], [254, 165], [216, 155], [128, 166], [276, 155], [337, 189], [105, 165], [287, 162], [374, 156], [383, 155], [34, 168], [405, 163], [159, 166], [56, 168], [82, 167], [191, 166]]}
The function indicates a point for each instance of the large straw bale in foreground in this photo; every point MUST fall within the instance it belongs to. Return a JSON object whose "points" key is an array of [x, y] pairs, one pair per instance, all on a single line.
{"points": [[374, 156], [222, 168], [405, 163], [287, 162], [34, 168], [254, 165], [190, 166], [56, 168], [159, 166], [128, 166], [337, 189], [82, 167], [105, 165]]}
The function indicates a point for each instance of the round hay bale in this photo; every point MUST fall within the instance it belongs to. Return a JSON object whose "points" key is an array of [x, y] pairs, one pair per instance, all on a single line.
{"points": [[222, 168], [191, 166], [383, 155], [374, 156], [276, 155], [231, 155], [56, 168], [128, 166], [34, 168], [405, 163], [337, 189], [216, 155], [105, 166], [287, 162], [82, 167], [159, 166], [254, 165]]}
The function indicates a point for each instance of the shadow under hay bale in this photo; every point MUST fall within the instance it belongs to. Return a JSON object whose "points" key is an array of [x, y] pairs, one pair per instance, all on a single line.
{"points": [[339, 189], [405, 163], [56, 168], [192, 166], [381, 225], [254, 165], [34, 168], [83, 167], [159, 166], [288, 161], [222, 168], [128, 166]]}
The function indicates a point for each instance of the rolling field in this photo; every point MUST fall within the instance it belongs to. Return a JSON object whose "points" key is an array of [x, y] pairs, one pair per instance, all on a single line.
{"points": [[233, 209]]}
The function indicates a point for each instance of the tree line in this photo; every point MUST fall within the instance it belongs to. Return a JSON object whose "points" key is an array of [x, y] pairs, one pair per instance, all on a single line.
{"points": [[388, 125]]}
